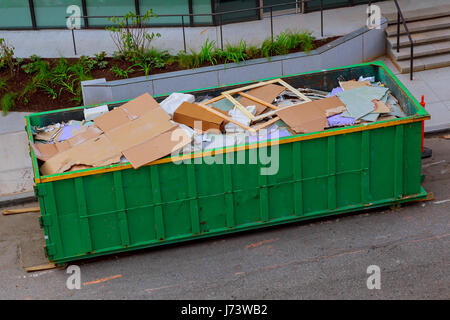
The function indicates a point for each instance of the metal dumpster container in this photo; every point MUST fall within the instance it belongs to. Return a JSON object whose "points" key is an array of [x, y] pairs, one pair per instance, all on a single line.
{"points": [[116, 208]]}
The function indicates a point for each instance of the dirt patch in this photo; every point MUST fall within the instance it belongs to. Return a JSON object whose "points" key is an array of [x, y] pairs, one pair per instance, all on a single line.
{"points": [[41, 101]]}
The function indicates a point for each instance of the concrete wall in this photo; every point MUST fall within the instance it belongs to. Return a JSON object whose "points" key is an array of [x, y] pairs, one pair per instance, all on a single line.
{"points": [[359, 46]]}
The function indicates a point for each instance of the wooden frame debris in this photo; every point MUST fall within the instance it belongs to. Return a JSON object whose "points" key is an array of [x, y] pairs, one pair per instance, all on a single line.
{"points": [[228, 95], [20, 210]]}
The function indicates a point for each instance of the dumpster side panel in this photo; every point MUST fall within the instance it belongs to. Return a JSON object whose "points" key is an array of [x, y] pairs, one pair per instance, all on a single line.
{"points": [[128, 209]]}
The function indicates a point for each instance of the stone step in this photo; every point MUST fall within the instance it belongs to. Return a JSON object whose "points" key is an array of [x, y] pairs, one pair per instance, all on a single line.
{"points": [[424, 63], [415, 15], [420, 50], [420, 26], [420, 38]]}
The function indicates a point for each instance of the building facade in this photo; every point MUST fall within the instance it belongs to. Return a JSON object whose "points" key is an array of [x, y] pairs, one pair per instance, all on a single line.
{"points": [[52, 14]]}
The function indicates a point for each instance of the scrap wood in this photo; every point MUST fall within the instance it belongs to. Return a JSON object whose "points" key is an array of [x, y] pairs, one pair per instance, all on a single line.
{"points": [[41, 267], [266, 124], [229, 119], [446, 137], [248, 96], [213, 100], [21, 210], [228, 95]]}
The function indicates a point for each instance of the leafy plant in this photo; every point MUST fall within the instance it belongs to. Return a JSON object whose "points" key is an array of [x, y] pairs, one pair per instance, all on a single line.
{"points": [[189, 60], [129, 36], [121, 73], [307, 41], [252, 52], [3, 84], [98, 61], [209, 52], [6, 56], [8, 102], [235, 53]]}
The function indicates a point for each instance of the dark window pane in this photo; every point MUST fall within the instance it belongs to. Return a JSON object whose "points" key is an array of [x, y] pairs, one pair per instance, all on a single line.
{"points": [[15, 14], [52, 13], [231, 5]]}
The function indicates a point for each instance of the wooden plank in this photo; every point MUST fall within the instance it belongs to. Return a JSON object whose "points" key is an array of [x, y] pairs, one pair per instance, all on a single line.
{"points": [[21, 210], [41, 267], [252, 86], [266, 124], [295, 91], [258, 100], [244, 110], [213, 100], [229, 119]]}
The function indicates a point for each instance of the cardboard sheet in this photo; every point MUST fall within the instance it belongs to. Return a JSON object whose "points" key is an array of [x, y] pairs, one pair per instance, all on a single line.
{"points": [[45, 151], [94, 153], [187, 113], [353, 84], [304, 118], [267, 93], [126, 112], [138, 129], [158, 147]]}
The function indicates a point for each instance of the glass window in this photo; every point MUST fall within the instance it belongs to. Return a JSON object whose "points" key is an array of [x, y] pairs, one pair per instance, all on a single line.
{"points": [[160, 7], [15, 14], [327, 4], [107, 8], [202, 7], [52, 13], [277, 2], [231, 5]]}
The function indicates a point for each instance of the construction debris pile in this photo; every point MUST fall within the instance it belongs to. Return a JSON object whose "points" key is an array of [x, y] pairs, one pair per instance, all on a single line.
{"points": [[143, 130]]}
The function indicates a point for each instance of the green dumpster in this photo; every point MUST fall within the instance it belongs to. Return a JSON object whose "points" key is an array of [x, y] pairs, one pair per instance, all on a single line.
{"points": [[116, 208]]}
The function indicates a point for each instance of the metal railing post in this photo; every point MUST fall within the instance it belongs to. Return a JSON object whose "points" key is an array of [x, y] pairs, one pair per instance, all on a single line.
{"points": [[271, 23], [73, 40], [412, 62], [184, 35], [398, 31], [321, 18], [221, 32]]}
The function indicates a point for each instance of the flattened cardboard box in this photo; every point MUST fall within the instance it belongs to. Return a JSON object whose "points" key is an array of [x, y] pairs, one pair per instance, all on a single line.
{"points": [[45, 151], [93, 153], [311, 116], [267, 93], [188, 113], [138, 128]]}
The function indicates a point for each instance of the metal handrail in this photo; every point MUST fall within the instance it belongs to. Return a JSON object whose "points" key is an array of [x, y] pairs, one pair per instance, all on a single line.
{"points": [[213, 15], [400, 16]]}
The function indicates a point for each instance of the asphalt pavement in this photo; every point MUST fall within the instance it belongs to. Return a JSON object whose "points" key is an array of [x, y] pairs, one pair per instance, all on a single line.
{"points": [[319, 259]]}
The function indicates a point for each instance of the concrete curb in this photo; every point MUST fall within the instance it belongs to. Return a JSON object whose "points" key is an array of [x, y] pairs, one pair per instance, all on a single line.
{"points": [[17, 198]]}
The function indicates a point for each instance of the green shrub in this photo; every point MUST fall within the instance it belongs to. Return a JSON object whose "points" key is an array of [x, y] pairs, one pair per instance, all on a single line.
{"points": [[252, 52], [209, 52], [235, 53], [189, 60], [8, 102], [128, 35], [121, 73], [6, 56]]}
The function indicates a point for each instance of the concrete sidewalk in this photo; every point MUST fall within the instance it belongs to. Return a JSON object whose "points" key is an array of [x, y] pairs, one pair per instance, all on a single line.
{"points": [[16, 172], [434, 86]]}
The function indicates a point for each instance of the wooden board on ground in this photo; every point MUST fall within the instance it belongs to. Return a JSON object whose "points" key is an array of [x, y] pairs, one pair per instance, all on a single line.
{"points": [[20, 210], [41, 267]]}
